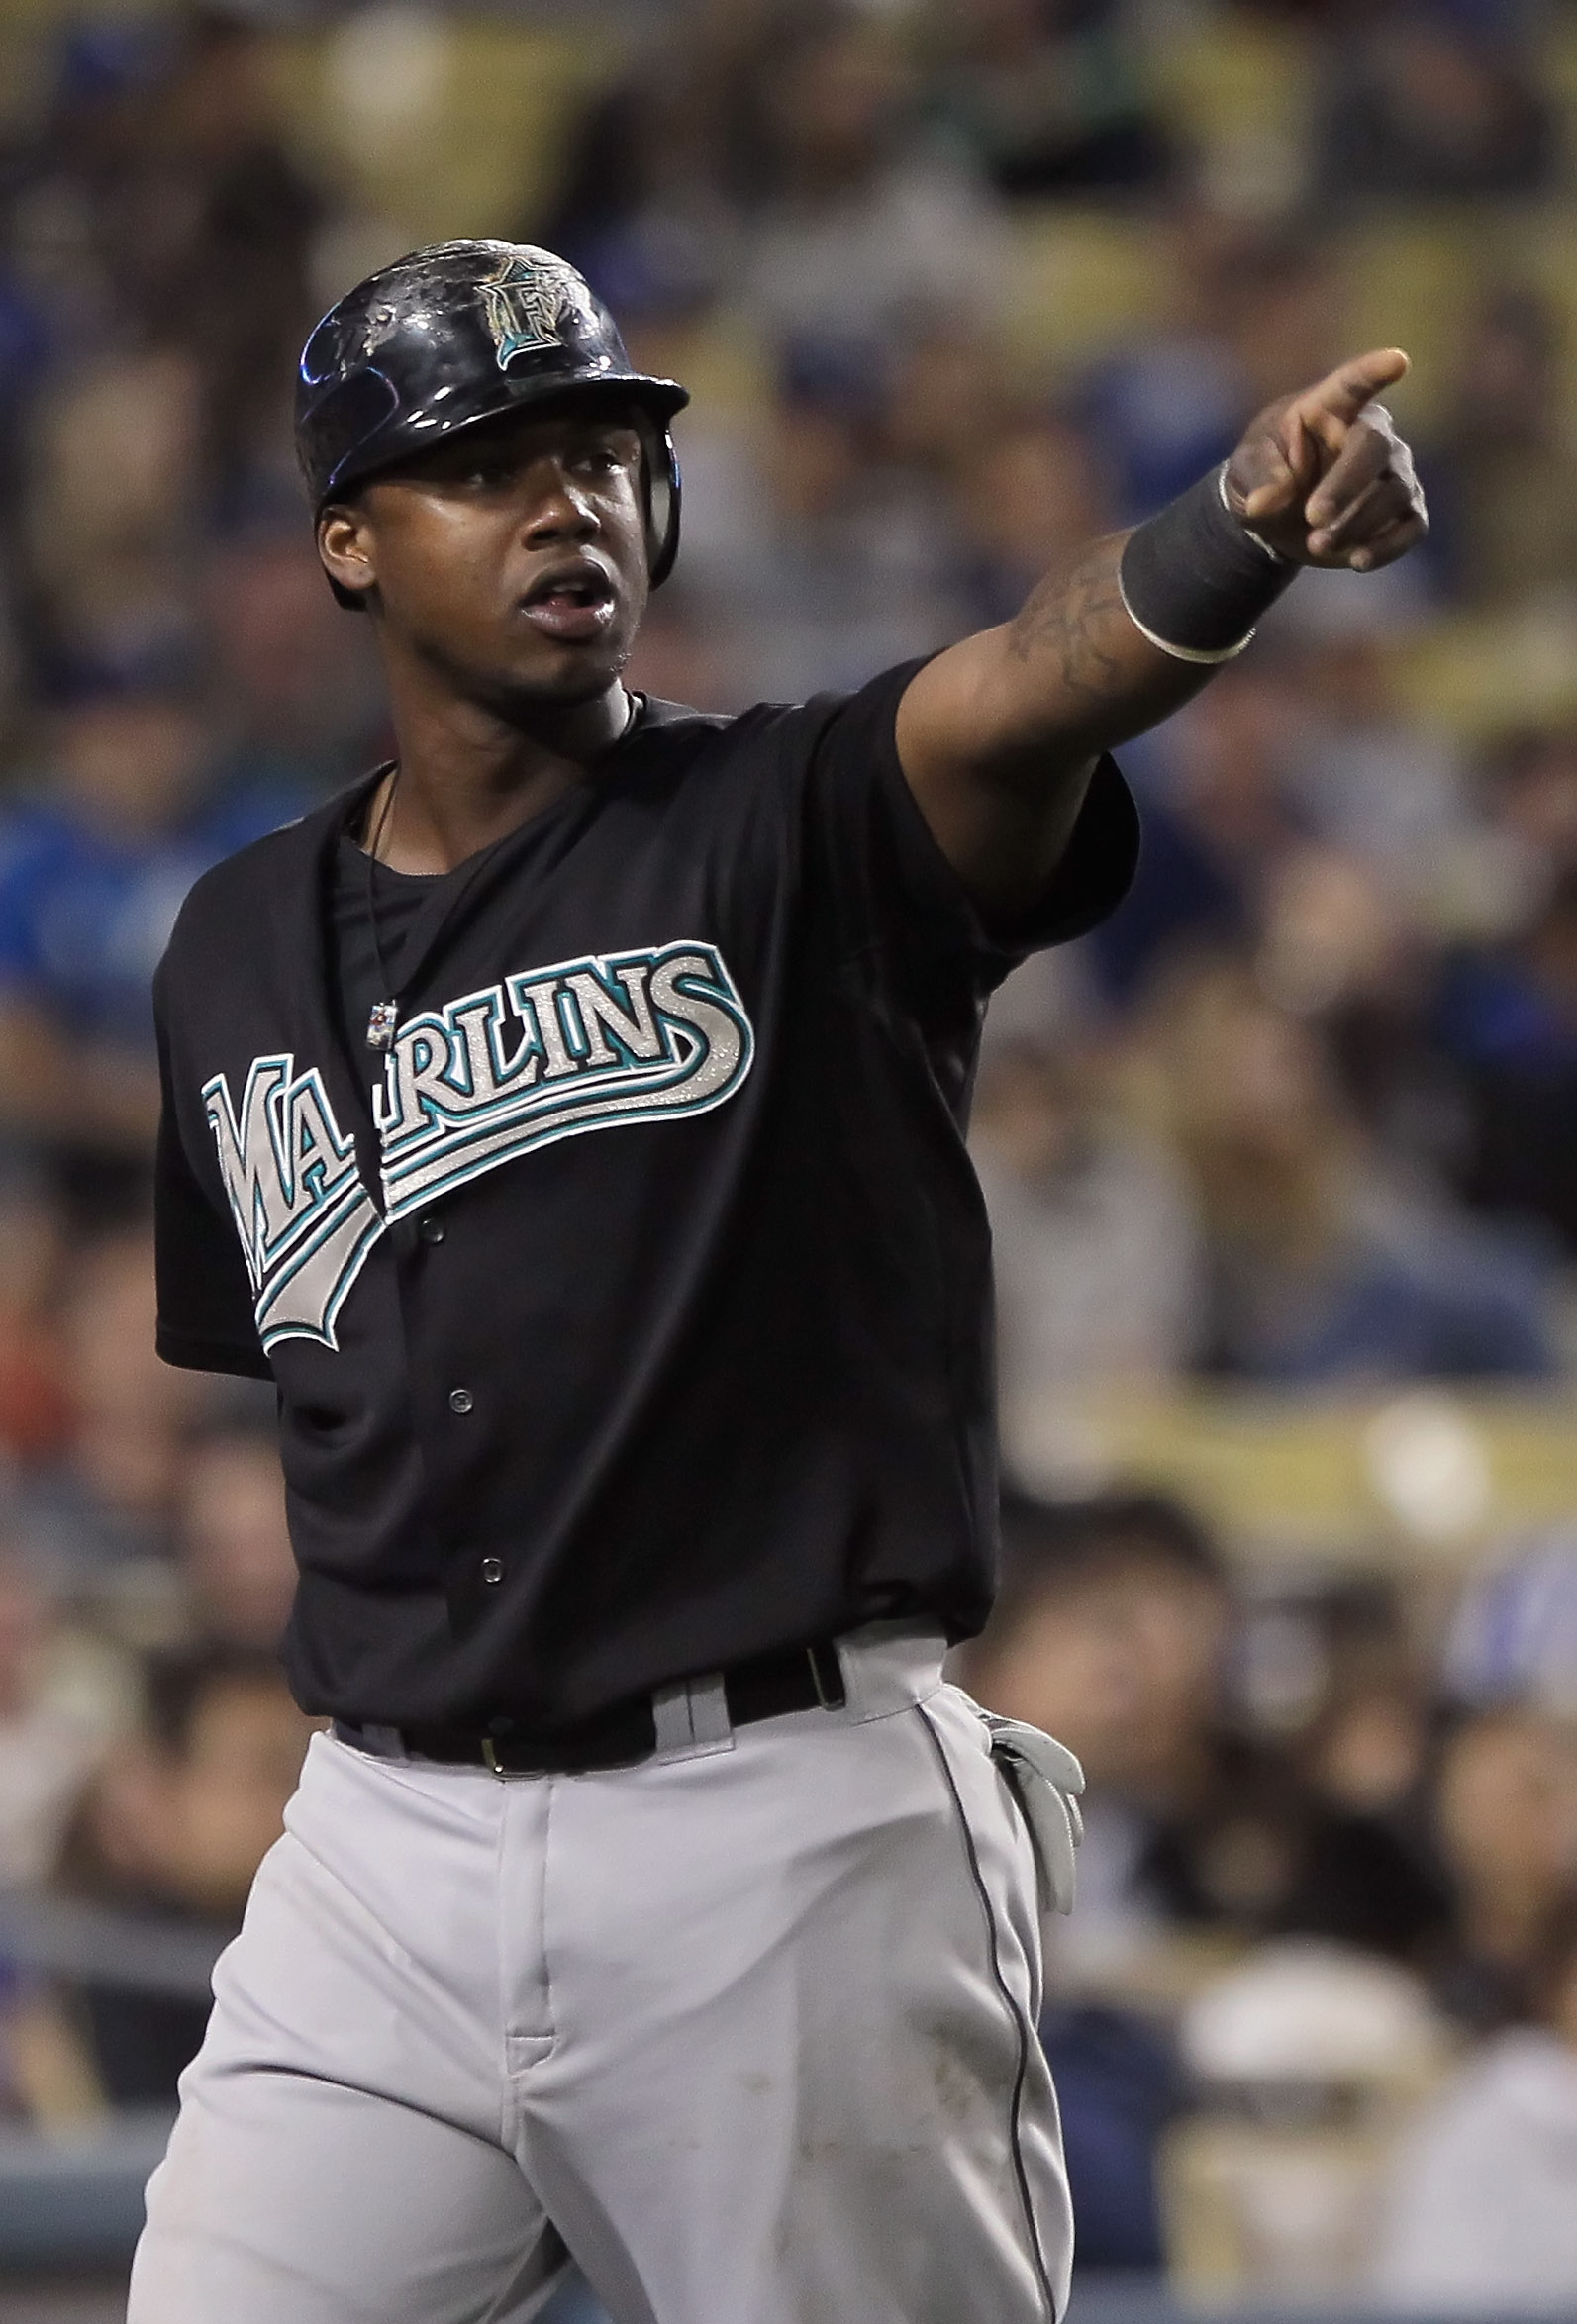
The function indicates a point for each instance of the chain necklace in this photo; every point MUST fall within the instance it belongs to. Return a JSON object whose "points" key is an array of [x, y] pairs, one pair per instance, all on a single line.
{"points": [[385, 1014]]}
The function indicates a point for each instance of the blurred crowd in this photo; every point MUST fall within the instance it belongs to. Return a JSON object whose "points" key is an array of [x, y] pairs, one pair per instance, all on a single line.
{"points": [[1300, 1117], [1313, 2023]]}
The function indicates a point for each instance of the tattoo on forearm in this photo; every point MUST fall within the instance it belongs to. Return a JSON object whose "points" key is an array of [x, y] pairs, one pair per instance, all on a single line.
{"points": [[1077, 621]]}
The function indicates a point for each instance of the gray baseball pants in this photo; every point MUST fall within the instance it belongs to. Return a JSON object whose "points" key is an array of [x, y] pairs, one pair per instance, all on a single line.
{"points": [[748, 2028]]}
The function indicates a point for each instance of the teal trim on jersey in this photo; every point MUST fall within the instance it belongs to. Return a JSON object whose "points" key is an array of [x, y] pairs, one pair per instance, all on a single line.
{"points": [[268, 1204], [703, 1037], [346, 1272], [294, 1190], [607, 1038]]}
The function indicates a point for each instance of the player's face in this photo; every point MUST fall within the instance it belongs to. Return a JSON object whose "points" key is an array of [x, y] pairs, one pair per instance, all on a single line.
{"points": [[510, 558]]}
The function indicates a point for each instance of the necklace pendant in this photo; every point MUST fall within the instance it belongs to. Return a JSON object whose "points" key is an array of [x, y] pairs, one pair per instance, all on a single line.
{"points": [[381, 1023]]}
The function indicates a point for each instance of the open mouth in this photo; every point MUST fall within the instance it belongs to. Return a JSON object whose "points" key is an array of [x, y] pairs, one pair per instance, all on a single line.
{"points": [[574, 603]]}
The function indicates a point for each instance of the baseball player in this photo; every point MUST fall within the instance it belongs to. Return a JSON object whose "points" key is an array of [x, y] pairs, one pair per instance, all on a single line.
{"points": [[571, 1120]]}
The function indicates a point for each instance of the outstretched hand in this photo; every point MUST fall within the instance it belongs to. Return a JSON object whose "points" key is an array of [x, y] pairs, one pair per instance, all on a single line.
{"points": [[1322, 476]]}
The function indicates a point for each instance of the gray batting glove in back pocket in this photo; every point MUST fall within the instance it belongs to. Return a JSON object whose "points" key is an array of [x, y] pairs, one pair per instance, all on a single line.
{"points": [[1047, 1781]]}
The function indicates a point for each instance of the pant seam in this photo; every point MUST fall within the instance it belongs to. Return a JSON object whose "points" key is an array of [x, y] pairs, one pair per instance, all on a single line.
{"points": [[550, 2019], [1023, 2033], [508, 2096]]}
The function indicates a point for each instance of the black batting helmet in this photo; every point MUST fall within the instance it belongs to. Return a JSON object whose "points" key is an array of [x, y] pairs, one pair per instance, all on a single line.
{"points": [[460, 333]]}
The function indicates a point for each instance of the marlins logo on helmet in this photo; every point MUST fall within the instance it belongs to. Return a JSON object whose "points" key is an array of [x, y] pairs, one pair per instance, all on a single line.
{"points": [[527, 299]]}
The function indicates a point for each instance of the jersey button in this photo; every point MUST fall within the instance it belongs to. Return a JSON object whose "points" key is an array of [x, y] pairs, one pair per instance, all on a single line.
{"points": [[493, 1570], [461, 1400], [430, 1229]]}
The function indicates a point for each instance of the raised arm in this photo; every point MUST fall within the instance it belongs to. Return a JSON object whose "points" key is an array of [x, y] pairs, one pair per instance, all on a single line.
{"points": [[999, 735]]}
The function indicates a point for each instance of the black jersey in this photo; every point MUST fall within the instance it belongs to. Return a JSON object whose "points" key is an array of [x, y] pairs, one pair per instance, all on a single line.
{"points": [[641, 1320]]}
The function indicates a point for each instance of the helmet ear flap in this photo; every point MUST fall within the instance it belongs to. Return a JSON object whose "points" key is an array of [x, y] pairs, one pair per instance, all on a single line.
{"points": [[659, 467]]}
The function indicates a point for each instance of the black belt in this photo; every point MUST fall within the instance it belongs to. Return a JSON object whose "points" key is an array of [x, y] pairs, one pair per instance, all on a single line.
{"points": [[794, 1678]]}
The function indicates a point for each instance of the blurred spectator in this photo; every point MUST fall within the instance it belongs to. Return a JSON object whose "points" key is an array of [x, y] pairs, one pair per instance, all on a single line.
{"points": [[1332, 1666], [1028, 497], [867, 234], [1433, 100], [1280, 297], [1296, 2011], [1049, 96], [1480, 2218], [661, 167], [112, 515], [1352, 947], [210, 232], [1249, 311], [1514, 1634], [1117, 2085], [947, 401], [67, 177], [1506, 1815], [1092, 1226], [296, 701], [1112, 1632], [35, 1414], [1507, 1019], [1183, 896], [92, 871], [48, 1743], [1306, 2060], [1502, 473], [113, 1497], [1219, 823], [1368, 1749], [165, 231], [46, 2079], [1228, 768], [1334, 941], [25, 350], [840, 572], [1320, 1266], [1364, 774], [173, 1830], [1527, 795], [232, 1538]]}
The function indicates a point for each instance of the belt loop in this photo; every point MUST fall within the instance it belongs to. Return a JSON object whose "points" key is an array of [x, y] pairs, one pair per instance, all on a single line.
{"points": [[670, 1716], [710, 1723], [692, 1718], [889, 1666], [831, 1697]]}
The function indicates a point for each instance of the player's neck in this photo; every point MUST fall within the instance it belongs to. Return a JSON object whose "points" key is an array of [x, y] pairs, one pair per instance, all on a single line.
{"points": [[469, 777]]}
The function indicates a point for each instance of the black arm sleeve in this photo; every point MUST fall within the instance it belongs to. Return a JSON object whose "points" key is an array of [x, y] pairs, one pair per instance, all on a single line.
{"points": [[205, 1308]]}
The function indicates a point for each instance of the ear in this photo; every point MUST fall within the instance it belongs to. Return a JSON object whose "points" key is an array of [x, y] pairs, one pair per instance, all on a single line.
{"points": [[345, 546]]}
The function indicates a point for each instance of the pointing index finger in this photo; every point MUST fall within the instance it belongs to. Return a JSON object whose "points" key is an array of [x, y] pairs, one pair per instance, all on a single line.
{"points": [[1342, 393]]}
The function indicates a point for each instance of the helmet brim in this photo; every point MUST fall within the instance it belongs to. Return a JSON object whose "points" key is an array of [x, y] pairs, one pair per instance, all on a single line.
{"points": [[654, 401], [415, 433]]}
